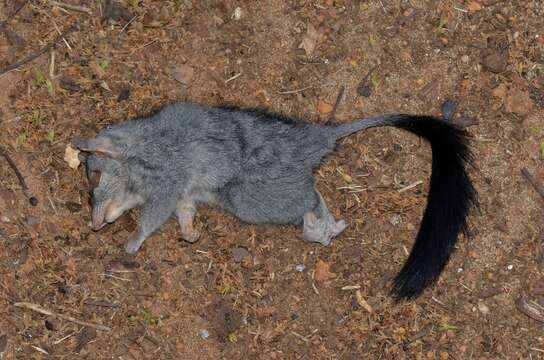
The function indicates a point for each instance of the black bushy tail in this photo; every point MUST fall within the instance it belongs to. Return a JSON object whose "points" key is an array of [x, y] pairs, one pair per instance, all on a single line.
{"points": [[451, 195]]}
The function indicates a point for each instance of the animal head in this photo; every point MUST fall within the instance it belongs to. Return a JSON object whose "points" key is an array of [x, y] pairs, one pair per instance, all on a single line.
{"points": [[108, 180]]}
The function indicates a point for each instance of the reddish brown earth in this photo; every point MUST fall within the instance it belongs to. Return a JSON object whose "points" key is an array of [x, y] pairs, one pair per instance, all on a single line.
{"points": [[487, 55]]}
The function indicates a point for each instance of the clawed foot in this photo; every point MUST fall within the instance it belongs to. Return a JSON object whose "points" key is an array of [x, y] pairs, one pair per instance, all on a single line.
{"points": [[190, 235], [133, 244], [321, 230]]}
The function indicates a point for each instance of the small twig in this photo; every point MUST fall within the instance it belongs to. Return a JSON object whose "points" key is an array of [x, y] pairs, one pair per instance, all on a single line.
{"points": [[60, 33], [351, 287], [38, 53], [337, 102], [287, 92], [10, 17], [301, 337], [143, 46], [421, 334], [64, 338], [39, 309], [533, 181], [438, 301], [115, 277], [15, 170], [82, 9], [362, 302], [43, 351], [233, 78], [128, 23], [406, 188], [459, 9]]}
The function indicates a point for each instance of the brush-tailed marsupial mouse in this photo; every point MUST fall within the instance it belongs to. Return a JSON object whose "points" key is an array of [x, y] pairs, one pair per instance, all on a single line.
{"points": [[259, 166]]}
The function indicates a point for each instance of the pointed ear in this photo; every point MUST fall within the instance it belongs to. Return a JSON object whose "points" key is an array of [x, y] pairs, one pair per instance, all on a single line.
{"points": [[100, 146]]}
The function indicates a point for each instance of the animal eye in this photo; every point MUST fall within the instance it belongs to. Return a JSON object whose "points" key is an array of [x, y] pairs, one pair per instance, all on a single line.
{"points": [[94, 180]]}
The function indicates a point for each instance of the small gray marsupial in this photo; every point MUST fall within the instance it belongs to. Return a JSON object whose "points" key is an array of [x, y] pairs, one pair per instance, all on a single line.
{"points": [[259, 166]]}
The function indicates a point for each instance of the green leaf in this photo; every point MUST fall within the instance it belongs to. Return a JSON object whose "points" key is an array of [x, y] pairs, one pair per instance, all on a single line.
{"points": [[40, 79], [375, 82], [104, 64], [443, 21], [148, 317], [371, 40], [542, 148], [51, 135], [21, 139], [447, 327], [49, 86]]}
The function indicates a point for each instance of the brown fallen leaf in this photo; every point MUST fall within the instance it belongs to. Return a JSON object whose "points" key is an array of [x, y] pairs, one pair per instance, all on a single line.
{"points": [[499, 91], [183, 73], [474, 6], [323, 271], [324, 107], [362, 302], [309, 41], [518, 101]]}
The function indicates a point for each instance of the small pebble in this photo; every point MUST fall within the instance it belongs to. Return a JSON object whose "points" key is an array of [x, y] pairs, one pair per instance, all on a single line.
{"points": [[395, 220], [300, 267], [510, 267], [460, 270], [483, 308], [33, 201], [237, 15], [204, 334], [239, 254], [465, 59]]}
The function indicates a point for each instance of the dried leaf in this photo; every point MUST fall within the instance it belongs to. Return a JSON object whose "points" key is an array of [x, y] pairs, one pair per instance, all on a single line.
{"points": [[323, 272], [309, 41], [362, 302], [474, 6], [499, 91], [71, 156], [183, 74], [324, 107], [518, 102]]}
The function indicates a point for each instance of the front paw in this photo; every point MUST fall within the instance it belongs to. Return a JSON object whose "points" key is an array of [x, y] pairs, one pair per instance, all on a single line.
{"points": [[191, 236], [132, 246]]}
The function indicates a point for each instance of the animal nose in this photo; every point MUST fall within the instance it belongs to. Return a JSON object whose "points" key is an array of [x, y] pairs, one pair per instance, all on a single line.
{"points": [[98, 226]]}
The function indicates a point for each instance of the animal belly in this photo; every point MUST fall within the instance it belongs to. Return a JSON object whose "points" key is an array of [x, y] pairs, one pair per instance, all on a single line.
{"points": [[261, 204]]}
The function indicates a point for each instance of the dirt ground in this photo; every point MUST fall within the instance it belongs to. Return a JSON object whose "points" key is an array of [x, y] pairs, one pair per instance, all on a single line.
{"points": [[176, 300]]}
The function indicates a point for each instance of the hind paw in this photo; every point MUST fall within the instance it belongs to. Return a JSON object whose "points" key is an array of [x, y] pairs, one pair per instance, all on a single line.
{"points": [[321, 230]]}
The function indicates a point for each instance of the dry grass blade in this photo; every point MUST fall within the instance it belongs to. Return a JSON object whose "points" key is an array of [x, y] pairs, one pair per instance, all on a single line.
{"points": [[39, 309]]}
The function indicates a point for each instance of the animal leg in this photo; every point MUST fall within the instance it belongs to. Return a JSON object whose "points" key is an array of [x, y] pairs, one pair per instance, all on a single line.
{"points": [[319, 224], [153, 215], [186, 214]]}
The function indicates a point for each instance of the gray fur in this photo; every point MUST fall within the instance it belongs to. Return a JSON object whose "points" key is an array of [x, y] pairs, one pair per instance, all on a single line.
{"points": [[259, 166], [256, 165]]}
